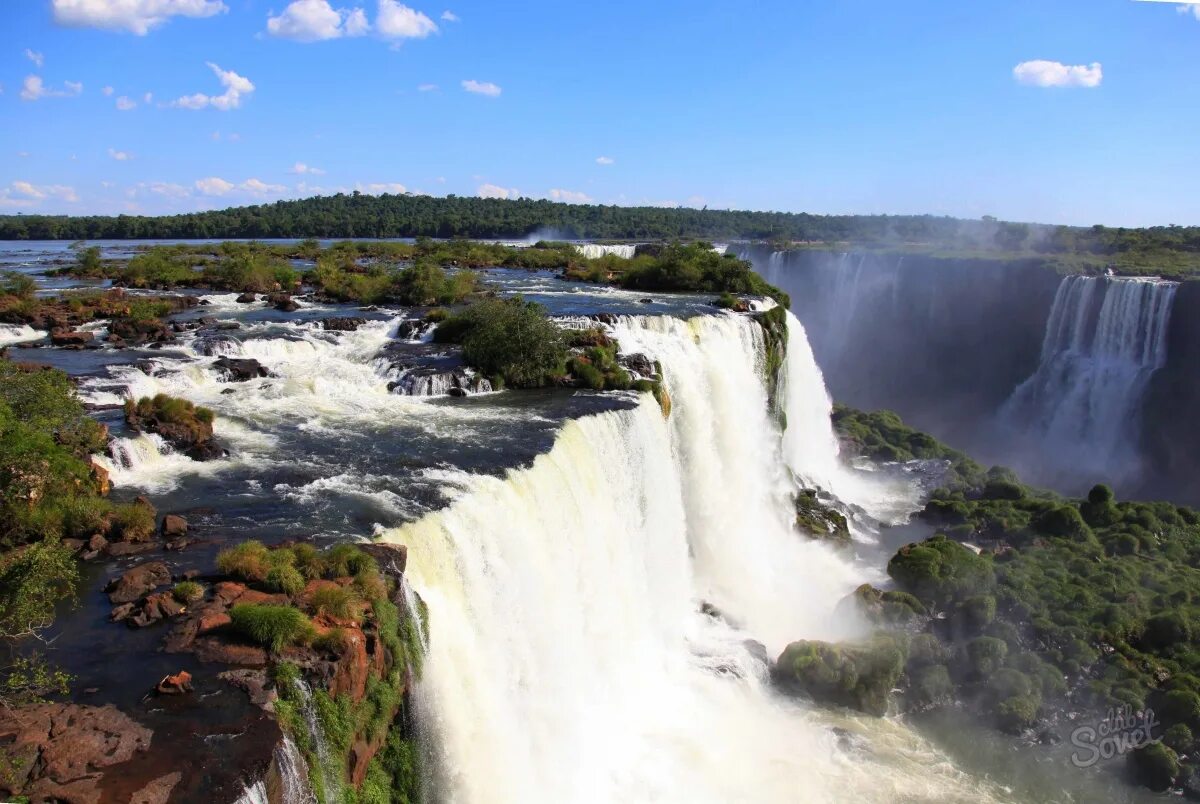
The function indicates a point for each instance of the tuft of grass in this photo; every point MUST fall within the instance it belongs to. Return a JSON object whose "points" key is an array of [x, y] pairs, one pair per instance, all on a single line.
{"points": [[188, 592], [250, 561], [274, 627]]}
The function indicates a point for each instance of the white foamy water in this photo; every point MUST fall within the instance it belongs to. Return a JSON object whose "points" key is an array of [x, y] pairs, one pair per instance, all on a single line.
{"points": [[594, 250], [567, 658], [19, 333]]}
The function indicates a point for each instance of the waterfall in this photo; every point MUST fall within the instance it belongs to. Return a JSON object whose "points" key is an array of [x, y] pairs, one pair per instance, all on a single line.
{"points": [[291, 775], [330, 784], [569, 657], [19, 333], [1104, 339], [594, 250]]}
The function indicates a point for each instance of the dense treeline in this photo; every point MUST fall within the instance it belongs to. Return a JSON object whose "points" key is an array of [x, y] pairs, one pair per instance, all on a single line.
{"points": [[365, 216]]}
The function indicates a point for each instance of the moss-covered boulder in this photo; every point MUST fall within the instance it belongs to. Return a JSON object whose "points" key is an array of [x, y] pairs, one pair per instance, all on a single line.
{"points": [[181, 424], [857, 676], [1154, 766], [819, 520], [941, 571], [890, 608]]}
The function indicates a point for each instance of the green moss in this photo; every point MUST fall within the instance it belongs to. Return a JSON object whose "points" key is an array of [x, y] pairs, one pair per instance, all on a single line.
{"points": [[856, 676], [819, 520], [1155, 766], [941, 571], [188, 592]]}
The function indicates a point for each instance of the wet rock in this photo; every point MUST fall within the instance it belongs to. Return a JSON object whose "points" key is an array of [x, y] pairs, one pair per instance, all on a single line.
{"points": [[639, 364], [65, 337], [413, 329], [138, 581], [186, 428], [155, 608], [174, 526], [283, 302], [226, 325], [120, 549], [212, 649], [344, 324], [247, 298], [97, 543], [157, 791], [254, 683], [239, 369], [59, 752], [211, 621], [176, 684], [141, 331], [429, 381], [100, 476]]}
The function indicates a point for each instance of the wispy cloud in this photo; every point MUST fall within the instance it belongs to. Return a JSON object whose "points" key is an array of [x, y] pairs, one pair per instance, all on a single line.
{"points": [[495, 191], [28, 194], [124, 104], [482, 88], [34, 88], [302, 169], [450, 16], [427, 88], [605, 160], [570, 196], [134, 16], [37, 58], [1042, 73], [236, 86], [120, 156]]}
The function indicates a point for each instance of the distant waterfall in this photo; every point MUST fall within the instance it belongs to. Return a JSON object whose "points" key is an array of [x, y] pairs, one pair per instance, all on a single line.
{"points": [[570, 657], [593, 250], [1104, 339]]}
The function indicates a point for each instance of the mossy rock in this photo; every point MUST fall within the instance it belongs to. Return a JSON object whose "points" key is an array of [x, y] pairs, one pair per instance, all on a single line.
{"points": [[1154, 766], [857, 676], [887, 608], [819, 520], [939, 571], [930, 686]]}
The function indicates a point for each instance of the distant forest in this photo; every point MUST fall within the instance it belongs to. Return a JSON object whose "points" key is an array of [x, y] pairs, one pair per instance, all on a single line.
{"points": [[365, 216]]}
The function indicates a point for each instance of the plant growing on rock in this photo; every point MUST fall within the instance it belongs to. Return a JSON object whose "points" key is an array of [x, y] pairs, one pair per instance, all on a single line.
{"points": [[270, 625]]}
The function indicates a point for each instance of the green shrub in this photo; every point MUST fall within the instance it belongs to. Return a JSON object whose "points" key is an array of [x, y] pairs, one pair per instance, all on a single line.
{"points": [[940, 570], [188, 592], [985, 655], [272, 626], [345, 560], [1017, 713], [336, 601], [1155, 766], [250, 561], [286, 579], [134, 522]]}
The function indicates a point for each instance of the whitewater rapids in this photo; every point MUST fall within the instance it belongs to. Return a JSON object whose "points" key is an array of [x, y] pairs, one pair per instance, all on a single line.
{"points": [[569, 659]]}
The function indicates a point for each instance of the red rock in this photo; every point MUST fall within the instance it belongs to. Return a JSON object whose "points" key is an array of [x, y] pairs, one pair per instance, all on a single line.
{"points": [[64, 337], [211, 621], [156, 607], [61, 750], [97, 543], [173, 526], [261, 598], [212, 649], [118, 549], [254, 684], [138, 581], [157, 791], [353, 667], [176, 684], [228, 591], [100, 475]]}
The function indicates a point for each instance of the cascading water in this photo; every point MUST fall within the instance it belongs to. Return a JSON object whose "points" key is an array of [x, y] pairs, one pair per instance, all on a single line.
{"points": [[1105, 338], [593, 250], [291, 776], [19, 333], [569, 658]]}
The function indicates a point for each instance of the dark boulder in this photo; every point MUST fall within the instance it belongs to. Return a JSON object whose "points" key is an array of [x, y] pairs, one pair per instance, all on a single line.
{"points": [[239, 369], [247, 298], [342, 324], [174, 526], [60, 336], [639, 364], [283, 302]]}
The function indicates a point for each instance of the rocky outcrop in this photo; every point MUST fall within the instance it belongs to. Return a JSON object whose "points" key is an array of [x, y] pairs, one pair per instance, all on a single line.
{"points": [[426, 369], [181, 424], [60, 752], [283, 302], [60, 336], [138, 581], [239, 369], [857, 676], [342, 324]]}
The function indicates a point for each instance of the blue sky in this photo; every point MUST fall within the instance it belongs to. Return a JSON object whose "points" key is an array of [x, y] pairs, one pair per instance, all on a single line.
{"points": [[826, 106]]}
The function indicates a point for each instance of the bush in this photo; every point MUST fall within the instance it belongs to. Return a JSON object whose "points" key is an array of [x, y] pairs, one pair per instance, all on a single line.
{"points": [[133, 522], [940, 570], [985, 655], [1017, 713], [250, 561], [346, 560], [188, 592], [1154, 766], [271, 626], [336, 601], [285, 578], [512, 339]]}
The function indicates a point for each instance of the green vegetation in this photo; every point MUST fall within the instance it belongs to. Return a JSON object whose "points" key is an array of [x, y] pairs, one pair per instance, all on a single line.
{"points": [[188, 592], [819, 520], [1173, 248], [272, 626], [1091, 601], [857, 676], [512, 340]]}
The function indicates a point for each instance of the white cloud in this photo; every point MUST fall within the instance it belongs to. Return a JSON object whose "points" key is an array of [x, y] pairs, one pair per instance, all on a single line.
{"points": [[148, 97], [214, 185], [23, 154], [168, 189], [33, 88], [315, 20], [605, 160], [135, 16], [379, 188], [120, 156], [27, 194], [494, 191], [482, 88], [106, 91], [235, 87], [1042, 73], [258, 187], [301, 169], [450, 16], [397, 21], [427, 88], [37, 58], [1190, 8], [125, 104], [570, 197]]}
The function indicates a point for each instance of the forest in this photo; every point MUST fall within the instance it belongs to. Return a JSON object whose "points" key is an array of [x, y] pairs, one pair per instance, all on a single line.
{"points": [[388, 216]]}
